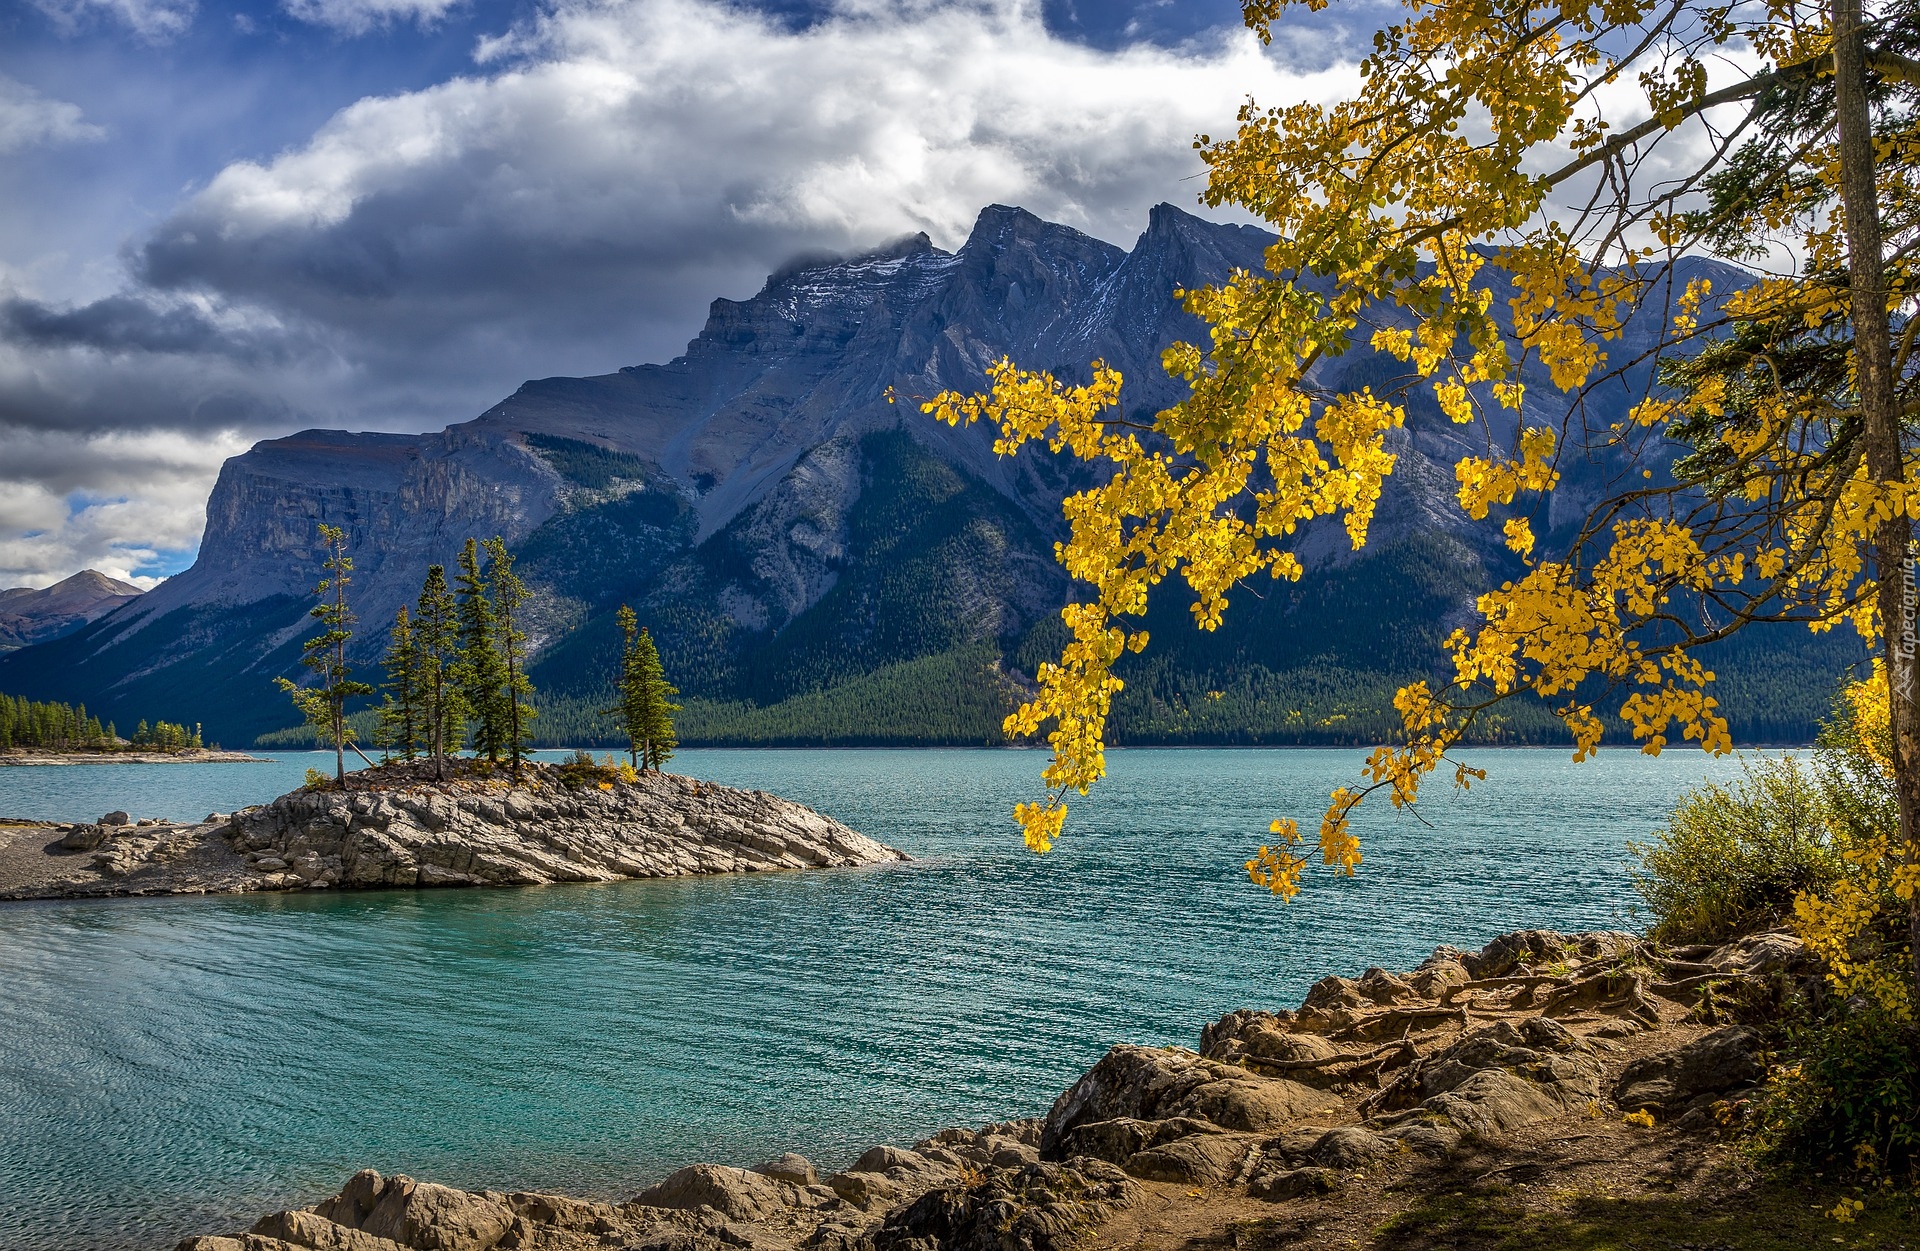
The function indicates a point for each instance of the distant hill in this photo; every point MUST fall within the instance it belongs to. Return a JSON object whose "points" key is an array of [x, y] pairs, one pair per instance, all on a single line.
{"points": [[38, 615], [821, 566]]}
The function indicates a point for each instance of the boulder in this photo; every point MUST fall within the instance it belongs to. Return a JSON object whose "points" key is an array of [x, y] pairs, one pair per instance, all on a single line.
{"points": [[1040, 1207], [1279, 1185], [734, 1192], [429, 1217], [1725, 1060], [85, 837], [1195, 1160], [867, 1191], [116, 818], [1522, 950], [1155, 1083], [794, 1169], [316, 1233], [1349, 1147]]}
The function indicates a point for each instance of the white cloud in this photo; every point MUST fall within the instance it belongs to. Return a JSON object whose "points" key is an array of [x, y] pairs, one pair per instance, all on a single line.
{"points": [[616, 143], [154, 20], [28, 119], [357, 17], [114, 502], [572, 207]]}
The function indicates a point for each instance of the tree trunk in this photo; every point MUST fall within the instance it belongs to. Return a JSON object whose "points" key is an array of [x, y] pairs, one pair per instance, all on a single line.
{"points": [[1873, 368]]}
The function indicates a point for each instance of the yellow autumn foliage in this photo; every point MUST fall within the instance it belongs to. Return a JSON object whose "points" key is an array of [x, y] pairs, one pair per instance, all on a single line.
{"points": [[1478, 209]]}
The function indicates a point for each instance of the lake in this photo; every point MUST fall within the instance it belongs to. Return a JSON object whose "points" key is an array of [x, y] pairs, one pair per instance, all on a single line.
{"points": [[179, 1066]]}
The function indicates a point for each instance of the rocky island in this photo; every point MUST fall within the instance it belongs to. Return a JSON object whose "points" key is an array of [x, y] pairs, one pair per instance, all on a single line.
{"points": [[190, 755], [397, 827], [1549, 1090]]}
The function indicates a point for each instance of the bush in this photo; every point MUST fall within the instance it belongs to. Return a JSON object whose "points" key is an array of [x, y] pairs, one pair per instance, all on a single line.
{"points": [[1732, 858], [582, 770], [1851, 1101]]}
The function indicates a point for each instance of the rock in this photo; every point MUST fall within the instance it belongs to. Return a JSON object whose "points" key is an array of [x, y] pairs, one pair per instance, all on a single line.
{"points": [[1725, 1060], [116, 818], [1349, 1147], [1758, 954], [1197, 1160], [309, 1230], [1262, 1035], [867, 1190], [85, 837], [1525, 949], [1115, 1141], [1423, 1137], [659, 826], [795, 1169], [734, 1192], [1501, 1077], [1153, 1084], [429, 1217], [1279, 1185], [1040, 1207]]}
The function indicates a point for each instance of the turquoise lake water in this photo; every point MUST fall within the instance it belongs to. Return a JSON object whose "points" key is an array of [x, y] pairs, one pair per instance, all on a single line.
{"points": [[179, 1066]]}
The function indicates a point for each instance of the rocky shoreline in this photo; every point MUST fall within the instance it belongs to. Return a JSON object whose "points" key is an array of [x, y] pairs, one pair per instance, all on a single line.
{"points": [[197, 755], [1575, 1064], [398, 830]]}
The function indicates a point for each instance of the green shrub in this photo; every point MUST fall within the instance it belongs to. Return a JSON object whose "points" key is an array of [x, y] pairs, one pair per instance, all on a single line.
{"points": [[1732, 858], [1851, 1101]]}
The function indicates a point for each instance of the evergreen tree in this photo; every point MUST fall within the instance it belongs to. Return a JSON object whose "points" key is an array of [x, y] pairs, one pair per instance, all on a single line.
{"points": [[436, 642], [657, 706], [482, 676], [324, 704], [142, 734], [509, 597], [631, 705], [400, 711]]}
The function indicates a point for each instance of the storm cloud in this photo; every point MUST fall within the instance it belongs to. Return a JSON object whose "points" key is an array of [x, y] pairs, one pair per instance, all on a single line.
{"points": [[573, 201]]}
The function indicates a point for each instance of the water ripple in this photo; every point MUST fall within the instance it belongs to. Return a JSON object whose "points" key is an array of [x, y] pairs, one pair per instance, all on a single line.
{"points": [[177, 1066]]}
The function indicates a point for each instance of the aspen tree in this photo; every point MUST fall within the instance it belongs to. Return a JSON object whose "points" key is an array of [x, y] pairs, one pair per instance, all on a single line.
{"points": [[1510, 184]]}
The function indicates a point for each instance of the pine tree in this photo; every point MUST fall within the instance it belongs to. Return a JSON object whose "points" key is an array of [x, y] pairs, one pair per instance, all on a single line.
{"points": [[324, 704], [632, 702], [657, 706], [509, 596], [436, 642], [400, 711], [482, 675], [142, 734]]}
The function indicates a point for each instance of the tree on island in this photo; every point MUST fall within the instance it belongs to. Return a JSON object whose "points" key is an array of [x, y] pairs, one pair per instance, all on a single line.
{"points": [[645, 707], [479, 672], [401, 723], [509, 597], [1761, 476], [436, 645], [324, 703]]}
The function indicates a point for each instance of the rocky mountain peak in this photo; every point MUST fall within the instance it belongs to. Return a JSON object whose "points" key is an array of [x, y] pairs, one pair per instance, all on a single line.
{"points": [[40, 614]]}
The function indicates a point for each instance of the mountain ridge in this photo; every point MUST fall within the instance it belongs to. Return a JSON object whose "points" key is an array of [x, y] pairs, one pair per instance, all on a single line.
{"points": [[786, 530]]}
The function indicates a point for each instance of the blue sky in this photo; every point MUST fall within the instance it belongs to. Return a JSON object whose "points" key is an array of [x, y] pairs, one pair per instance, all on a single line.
{"points": [[225, 221]]}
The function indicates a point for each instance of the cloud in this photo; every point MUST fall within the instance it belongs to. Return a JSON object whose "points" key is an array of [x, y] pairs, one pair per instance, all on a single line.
{"points": [[153, 20], [621, 163], [357, 17], [120, 503], [569, 207], [29, 119]]}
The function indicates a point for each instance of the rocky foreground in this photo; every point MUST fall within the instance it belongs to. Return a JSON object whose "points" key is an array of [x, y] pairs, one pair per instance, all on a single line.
{"points": [[399, 830], [1574, 1068]]}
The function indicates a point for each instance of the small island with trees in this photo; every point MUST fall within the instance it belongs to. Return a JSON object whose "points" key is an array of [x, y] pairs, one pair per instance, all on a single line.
{"points": [[43, 733]]}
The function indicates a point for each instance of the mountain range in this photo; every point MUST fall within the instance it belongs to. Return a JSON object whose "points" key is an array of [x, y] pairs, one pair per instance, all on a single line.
{"points": [[819, 564], [31, 615]]}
